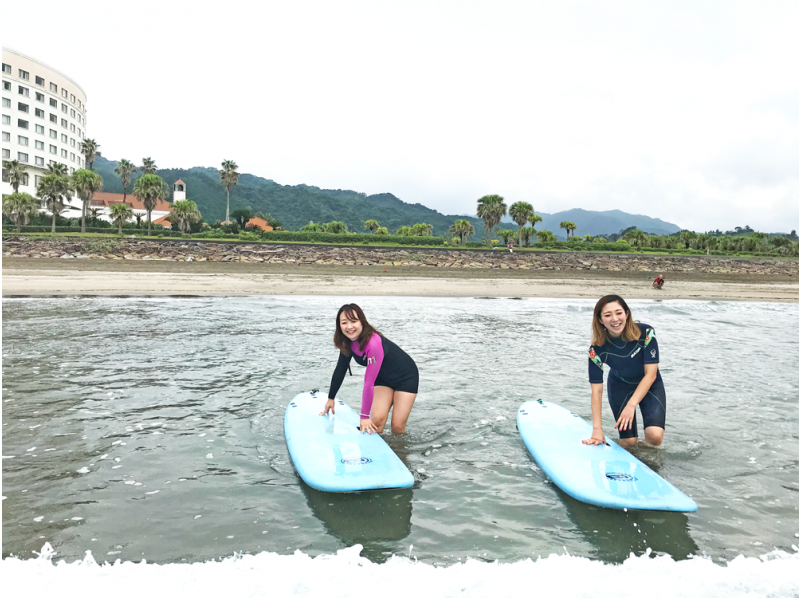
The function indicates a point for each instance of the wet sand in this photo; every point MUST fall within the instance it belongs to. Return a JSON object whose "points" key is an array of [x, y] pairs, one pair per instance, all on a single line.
{"points": [[59, 277]]}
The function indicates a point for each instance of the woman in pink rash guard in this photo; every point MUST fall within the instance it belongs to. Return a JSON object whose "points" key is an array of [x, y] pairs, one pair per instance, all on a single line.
{"points": [[392, 378]]}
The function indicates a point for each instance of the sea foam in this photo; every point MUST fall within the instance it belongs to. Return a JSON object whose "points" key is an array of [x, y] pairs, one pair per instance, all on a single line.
{"points": [[346, 573]]}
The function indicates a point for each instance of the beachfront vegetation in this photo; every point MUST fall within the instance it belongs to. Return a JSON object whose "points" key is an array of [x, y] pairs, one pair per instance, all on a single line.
{"points": [[124, 169], [89, 147], [149, 188], [462, 229], [85, 183], [148, 166], [19, 207], [14, 173], [491, 208], [120, 214], [521, 212], [371, 225], [54, 190], [228, 177], [185, 213], [568, 226]]}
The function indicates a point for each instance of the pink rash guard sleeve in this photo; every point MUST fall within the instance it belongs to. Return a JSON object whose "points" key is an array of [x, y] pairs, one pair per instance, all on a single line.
{"points": [[373, 355]]}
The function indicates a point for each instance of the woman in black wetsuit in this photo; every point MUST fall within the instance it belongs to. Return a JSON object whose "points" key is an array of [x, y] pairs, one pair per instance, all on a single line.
{"points": [[391, 380], [630, 349]]}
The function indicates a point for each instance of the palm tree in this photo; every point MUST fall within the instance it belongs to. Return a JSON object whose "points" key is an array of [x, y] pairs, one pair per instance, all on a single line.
{"points": [[149, 188], [335, 227], [15, 173], [568, 226], [19, 207], [545, 236], [506, 234], [86, 183], [636, 237], [463, 228], [403, 231], [58, 168], [89, 147], [148, 166], [526, 233], [312, 227], [382, 230], [371, 225], [686, 237], [521, 212], [491, 209], [228, 177], [54, 189], [124, 169], [421, 230], [185, 213], [120, 214]]}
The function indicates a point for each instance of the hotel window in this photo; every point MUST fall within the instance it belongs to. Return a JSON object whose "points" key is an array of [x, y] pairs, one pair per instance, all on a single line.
{"points": [[72, 112], [54, 87], [40, 113], [64, 122], [72, 156], [6, 103], [72, 141], [71, 170], [22, 107], [39, 162], [64, 108], [39, 145], [72, 127], [40, 81], [22, 124], [22, 157], [72, 98], [24, 75], [51, 162], [63, 153], [6, 136], [23, 91], [40, 129], [6, 154], [53, 134], [6, 68], [53, 149], [79, 133], [7, 85], [53, 103], [6, 119], [64, 92], [36, 178], [63, 138], [53, 118], [21, 140], [39, 97]]}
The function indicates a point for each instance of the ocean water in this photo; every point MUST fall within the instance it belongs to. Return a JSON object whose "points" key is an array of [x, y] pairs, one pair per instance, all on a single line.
{"points": [[151, 428]]}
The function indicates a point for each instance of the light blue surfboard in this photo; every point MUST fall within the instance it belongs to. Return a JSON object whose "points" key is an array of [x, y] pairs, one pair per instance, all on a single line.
{"points": [[332, 455], [604, 475]]}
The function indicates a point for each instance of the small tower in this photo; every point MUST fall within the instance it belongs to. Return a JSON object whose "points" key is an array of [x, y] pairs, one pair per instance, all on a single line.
{"points": [[178, 190]]}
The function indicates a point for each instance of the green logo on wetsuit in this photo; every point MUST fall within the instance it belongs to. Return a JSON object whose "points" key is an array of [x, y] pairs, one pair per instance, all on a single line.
{"points": [[593, 356], [651, 334]]}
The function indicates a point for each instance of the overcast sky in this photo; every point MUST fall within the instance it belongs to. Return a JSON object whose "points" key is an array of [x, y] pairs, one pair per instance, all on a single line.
{"points": [[685, 111]]}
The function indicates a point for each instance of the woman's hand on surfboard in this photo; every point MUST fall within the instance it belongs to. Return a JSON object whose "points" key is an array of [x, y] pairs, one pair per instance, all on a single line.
{"points": [[329, 406], [625, 418], [368, 426], [597, 438]]}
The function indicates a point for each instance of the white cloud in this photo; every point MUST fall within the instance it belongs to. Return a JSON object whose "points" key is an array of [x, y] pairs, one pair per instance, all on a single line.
{"points": [[683, 111]]}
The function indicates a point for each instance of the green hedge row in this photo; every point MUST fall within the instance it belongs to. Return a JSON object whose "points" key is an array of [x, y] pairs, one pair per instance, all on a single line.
{"points": [[91, 229], [303, 237]]}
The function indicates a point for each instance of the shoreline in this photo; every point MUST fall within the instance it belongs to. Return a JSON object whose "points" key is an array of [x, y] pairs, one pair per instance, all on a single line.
{"points": [[26, 277]]}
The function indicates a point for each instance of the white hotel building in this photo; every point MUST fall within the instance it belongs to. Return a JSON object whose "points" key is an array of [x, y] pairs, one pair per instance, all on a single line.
{"points": [[44, 118]]}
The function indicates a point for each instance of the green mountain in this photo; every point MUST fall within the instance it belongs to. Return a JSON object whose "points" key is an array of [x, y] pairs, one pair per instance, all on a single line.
{"points": [[599, 223], [294, 206]]}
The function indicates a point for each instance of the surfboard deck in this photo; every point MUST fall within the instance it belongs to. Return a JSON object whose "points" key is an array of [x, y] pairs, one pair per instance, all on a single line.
{"points": [[604, 475], [332, 455]]}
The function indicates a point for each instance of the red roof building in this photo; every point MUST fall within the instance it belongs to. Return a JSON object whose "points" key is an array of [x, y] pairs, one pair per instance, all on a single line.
{"points": [[101, 199], [258, 223]]}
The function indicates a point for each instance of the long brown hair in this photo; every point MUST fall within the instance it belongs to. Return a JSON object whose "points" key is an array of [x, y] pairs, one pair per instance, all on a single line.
{"points": [[631, 331], [353, 312]]}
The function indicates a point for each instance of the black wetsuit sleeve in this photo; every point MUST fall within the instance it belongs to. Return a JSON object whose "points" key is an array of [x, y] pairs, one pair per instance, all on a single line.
{"points": [[338, 374], [595, 367], [650, 346]]}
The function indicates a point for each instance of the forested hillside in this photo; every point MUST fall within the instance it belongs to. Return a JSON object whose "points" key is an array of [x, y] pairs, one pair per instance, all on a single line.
{"points": [[294, 206], [589, 222]]}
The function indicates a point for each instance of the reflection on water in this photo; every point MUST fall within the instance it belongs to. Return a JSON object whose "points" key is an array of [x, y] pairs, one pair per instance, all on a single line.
{"points": [[376, 519]]}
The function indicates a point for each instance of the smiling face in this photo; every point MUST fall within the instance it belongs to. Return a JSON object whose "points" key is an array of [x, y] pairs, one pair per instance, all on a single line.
{"points": [[350, 325], [614, 318]]}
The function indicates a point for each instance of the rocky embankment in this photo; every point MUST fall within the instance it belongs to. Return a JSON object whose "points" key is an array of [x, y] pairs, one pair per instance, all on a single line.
{"points": [[135, 249]]}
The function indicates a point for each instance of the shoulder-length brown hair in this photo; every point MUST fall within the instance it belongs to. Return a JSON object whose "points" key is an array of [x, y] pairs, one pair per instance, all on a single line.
{"points": [[631, 331], [353, 312]]}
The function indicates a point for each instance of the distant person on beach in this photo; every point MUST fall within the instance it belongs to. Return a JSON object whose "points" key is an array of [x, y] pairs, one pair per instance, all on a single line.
{"points": [[511, 247], [630, 349], [391, 380], [658, 282]]}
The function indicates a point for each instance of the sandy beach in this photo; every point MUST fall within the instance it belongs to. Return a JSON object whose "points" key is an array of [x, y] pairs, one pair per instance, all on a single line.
{"points": [[52, 277]]}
